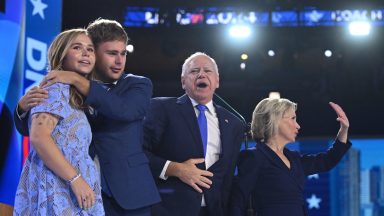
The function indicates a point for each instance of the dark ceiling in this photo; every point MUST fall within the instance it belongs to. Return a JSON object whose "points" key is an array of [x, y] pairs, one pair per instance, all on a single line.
{"points": [[352, 77]]}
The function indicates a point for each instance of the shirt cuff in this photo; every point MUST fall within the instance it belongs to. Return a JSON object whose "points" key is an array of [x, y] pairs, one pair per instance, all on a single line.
{"points": [[22, 116], [162, 174]]}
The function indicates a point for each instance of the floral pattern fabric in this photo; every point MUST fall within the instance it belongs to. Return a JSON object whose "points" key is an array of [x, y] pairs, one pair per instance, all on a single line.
{"points": [[41, 191]]}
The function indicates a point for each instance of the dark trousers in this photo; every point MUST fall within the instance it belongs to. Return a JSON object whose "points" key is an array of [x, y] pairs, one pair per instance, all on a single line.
{"points": [[112, 208], [204, 211]]}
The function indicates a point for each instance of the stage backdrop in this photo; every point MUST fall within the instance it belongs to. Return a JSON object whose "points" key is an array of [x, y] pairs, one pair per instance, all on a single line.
{"points": [[27, 27]]}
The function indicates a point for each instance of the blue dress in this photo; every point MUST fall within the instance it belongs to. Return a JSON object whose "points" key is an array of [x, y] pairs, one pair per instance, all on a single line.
{"points": [[42, 192]]}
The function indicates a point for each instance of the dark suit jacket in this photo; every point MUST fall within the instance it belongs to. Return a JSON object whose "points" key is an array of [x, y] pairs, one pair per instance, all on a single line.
{"points": [[117, 138], [276, 189], [171, 132]]}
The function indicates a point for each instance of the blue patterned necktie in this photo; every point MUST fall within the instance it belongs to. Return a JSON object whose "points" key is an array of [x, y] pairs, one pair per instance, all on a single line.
{"points": [[202, 120]]}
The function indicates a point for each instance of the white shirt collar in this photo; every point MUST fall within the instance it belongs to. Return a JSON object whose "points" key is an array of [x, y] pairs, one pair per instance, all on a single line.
{"points": [[209, 105], [115, 82]]}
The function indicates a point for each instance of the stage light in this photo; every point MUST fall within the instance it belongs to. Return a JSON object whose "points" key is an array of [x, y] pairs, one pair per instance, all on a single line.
{"points": [[130, 48], [240, 31], [271, 53], [244, 56], [243, 65], [328, 53], [274, 95], [359, 28]]}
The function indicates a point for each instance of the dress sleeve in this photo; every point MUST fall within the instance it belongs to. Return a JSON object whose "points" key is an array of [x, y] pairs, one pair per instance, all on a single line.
{"points": [[325, 161], [57, 102]]}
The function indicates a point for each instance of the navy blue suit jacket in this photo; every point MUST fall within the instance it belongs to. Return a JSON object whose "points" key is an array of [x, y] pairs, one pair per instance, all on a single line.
{"points": [[171, 132], [276, 189], [117, 138]]}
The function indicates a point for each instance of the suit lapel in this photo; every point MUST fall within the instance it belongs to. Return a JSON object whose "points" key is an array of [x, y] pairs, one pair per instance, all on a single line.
{"points": [[224, 130], [272, 157], [119, 81], [226, 138], [187, 111]]}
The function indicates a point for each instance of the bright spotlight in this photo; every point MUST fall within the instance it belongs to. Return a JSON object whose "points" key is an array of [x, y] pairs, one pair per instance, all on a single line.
{"points": [[242, 66], [240, 31], [274, 95], [359, 28], [328, 53], [130, 48], [244, 56], [271, 53]]}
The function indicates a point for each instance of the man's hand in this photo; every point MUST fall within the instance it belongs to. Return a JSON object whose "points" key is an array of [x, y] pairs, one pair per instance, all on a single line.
{"points": [[32, 98], [54, 76], [188, 173], [78, 81]]}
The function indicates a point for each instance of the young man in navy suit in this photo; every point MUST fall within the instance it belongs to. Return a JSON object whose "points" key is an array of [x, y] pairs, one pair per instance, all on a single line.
{"points": [[118, 104], [192, 179]]}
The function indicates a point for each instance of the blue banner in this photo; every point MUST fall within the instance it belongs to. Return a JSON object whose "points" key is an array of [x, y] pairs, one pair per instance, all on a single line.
{"points": [[316, 18], [309, 16], [43, 23], [27, 27], [11, 30], [284, 18]]}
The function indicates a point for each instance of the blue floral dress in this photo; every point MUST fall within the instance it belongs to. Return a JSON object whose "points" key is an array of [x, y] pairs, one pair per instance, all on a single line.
{"points": [[42, 192]]}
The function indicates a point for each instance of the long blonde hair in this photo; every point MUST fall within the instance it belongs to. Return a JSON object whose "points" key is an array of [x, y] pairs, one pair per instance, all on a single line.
{"points": [[56, 54]]}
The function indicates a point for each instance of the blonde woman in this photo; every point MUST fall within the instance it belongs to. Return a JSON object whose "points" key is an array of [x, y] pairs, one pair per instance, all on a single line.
{"points": [[273, 174], [59, 177]]}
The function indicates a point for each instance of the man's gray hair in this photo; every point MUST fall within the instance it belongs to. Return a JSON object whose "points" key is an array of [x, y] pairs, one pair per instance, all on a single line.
{"points": [[190, 58]]}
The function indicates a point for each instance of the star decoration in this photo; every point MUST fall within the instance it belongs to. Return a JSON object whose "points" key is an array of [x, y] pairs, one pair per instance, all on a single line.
{"points": [[314, 176], [315, 16], [313, 202], [38, 8]]}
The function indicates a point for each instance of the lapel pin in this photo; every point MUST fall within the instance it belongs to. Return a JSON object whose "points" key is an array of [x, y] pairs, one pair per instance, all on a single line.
{"points": [[226, 120]]}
